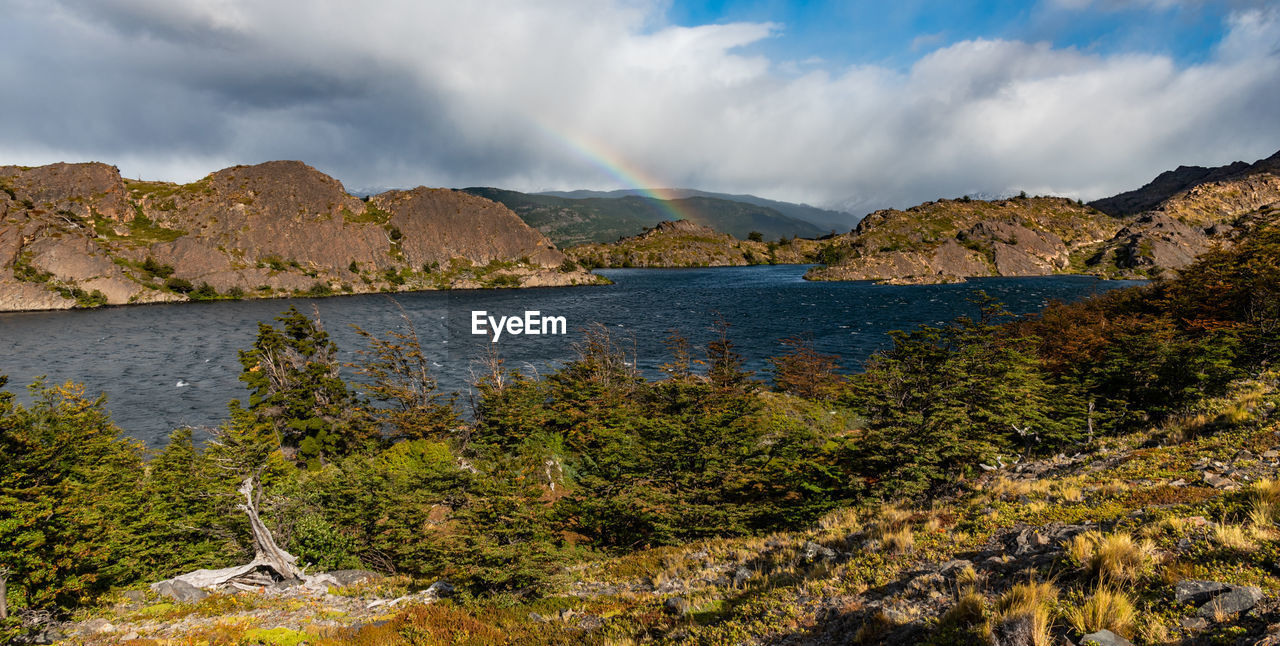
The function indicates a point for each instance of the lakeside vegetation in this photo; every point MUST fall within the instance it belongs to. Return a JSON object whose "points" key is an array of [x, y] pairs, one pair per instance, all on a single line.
{"points": [[711, 506]]}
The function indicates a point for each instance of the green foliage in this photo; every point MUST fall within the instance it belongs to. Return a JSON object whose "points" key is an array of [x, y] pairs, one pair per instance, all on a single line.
{"points": [[568, 265], [831, 254], [293, 376], [69, 494], [180, 285], [205, 292], [958, 396], [155, 269], [755, 236], [399, 376]]}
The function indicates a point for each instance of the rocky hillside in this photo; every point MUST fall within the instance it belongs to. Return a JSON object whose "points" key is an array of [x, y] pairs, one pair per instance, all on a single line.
{"points": [[573, 221], [686, 244], [950, 240], [1184, 179], [1149, 232], [80, 235]]}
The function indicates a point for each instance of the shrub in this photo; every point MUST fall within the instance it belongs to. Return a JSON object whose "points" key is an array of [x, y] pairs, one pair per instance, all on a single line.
{"points": [[155, 269], [568, 265], [755, 236], [205, 292], [180, 285]]}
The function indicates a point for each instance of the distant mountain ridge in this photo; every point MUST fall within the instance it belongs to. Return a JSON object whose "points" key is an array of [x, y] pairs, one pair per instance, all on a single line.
{"points": [[828, 219], [573, 221], [1182, 178]]}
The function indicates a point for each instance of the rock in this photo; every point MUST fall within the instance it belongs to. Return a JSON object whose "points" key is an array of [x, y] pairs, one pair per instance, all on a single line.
{"points": [[130, 636], [97, 626], [812, 552], [134, 596], [351, 577], [179, 591], [439, 590], [676, 606], [1197, 592], [1178, 483], [1027, 541], [955, 566], [1218, 482], [1105, 637], [741, 575], [1194, 623], [1271, 455], [1238, 599]]}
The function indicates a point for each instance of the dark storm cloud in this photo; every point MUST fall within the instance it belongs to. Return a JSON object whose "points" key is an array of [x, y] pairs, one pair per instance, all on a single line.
{"points": [[576, 94]]}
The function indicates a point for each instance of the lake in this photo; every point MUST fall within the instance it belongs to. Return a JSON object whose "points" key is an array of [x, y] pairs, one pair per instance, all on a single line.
{"points": [[165, 366]]}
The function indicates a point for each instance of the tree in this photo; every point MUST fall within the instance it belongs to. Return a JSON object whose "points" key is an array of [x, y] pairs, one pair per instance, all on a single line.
{"points": [[755, 236], [69, 487], [804, 372], [724, 365], [400, 376], [943, 400], [293, 373]]}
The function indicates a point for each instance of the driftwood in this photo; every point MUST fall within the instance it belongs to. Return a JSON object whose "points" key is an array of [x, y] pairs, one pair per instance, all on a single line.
{"points": [[271, 565]]}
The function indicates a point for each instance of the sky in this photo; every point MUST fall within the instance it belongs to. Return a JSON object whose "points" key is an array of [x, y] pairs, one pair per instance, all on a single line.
{"points": [[851, 105]]}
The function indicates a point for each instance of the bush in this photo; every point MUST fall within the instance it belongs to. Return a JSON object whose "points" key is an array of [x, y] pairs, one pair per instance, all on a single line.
{"points": [[205, 292], [180, 285], [155, 269]]}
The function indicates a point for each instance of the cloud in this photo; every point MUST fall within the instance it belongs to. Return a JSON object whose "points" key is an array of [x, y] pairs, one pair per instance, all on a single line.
{"points": [[580, 93]]}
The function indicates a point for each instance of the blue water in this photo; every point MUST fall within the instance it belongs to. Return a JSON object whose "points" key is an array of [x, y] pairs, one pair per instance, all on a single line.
{"points": [[140, 355]]}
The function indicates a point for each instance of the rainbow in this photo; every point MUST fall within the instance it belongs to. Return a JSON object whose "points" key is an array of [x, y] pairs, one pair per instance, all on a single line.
{"points": [[613, 164]]}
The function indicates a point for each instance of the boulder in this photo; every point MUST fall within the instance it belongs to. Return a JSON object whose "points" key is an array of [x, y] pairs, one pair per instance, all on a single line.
{"points": [[812, 552], [178, 590], [676, 606], [1105, 637], [352, 577], [1197, 592], [1237, 599]]}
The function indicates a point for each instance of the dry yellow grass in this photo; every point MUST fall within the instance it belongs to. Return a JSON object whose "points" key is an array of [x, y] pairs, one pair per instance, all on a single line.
{"points": [[1106, 608], [1025, 611], [899, 541], [1233, 537], [1112, 557]]}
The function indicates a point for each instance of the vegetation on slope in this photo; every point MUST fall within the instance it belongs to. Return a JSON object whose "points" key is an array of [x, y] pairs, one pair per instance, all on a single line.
{"points": [[570, 221]]}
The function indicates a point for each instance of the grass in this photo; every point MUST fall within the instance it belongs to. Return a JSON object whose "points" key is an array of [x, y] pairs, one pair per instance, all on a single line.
{"points": [[1024, 614], [1107, 608], [1116, 557]]}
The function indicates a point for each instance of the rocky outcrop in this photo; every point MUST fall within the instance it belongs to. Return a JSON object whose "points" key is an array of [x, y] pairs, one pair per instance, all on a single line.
{"points": [[1151, 232], [80, 235], [950, 240]]}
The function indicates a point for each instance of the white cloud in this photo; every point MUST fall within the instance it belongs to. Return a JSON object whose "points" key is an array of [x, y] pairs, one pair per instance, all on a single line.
{"points": [[522, 96]]}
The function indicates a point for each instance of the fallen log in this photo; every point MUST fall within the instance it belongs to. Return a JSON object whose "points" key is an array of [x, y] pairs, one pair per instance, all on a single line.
{"points": [[271, 565]]}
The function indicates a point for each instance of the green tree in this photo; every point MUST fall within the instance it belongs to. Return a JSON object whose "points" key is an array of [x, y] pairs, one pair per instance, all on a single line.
{"points": [[68, 491], [293, 376]]}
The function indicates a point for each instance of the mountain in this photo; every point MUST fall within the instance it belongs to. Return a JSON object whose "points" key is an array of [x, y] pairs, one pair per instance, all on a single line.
{"points": [[826, 219], [80, 235], [686, 244], [570, 221], [1184, 179], [1152, 231]]}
